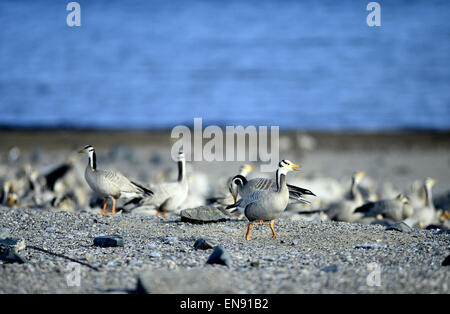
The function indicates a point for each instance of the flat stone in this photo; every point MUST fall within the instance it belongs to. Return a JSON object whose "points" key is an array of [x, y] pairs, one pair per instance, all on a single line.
{"points": [[193, 281], [203, 244], [400, 227], [219, 256], [108, 241], [371, 246], [14, 244], [202, 214], [330, 269]]}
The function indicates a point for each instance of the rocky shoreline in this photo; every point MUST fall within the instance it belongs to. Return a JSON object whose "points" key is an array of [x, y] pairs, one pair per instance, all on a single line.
{"points": [[158, 256]]}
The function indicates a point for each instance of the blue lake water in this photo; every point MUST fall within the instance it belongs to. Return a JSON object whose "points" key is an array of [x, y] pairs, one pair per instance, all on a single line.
{"points": [[154, 64]]}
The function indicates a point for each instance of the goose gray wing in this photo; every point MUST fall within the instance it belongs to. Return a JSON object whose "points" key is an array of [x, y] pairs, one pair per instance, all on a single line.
{"points": [[164, 191], [118, 181]]}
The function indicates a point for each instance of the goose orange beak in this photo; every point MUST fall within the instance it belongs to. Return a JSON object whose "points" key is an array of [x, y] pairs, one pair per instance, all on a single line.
{"points": [[295, 167]]}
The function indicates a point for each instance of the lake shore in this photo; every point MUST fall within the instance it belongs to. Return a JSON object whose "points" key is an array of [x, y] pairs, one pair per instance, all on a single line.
{"points": [[309, 256]]}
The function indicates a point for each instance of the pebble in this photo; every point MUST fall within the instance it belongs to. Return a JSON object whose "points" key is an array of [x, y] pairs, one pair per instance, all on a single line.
{"points": [[108, 241], [330, 269], [400, 227], [14, 244], [371, 246], [203, 244], [4, 233], [154, 254], [219, 256], [171, 240], [254, 264]]}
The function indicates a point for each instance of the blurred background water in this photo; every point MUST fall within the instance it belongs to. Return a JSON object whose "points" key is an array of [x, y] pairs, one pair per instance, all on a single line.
{"points": [[312, 65]]}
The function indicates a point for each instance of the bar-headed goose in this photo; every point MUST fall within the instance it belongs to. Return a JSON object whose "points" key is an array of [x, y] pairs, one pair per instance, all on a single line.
{"points": [[110, 184], [264, 206]]}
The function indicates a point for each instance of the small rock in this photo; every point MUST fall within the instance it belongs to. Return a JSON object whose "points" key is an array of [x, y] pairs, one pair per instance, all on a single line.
{"points": [[228, 230], [151, 245], [89, 257], [254, 264], [371, 246], [330, 269], [9, 257], [294, 242], [446, 261], [202, 214], [170, 240], [203, 244], [108, 241], [4, 233], [154, 254], [219, 256], [400, 227], [14, 244]]}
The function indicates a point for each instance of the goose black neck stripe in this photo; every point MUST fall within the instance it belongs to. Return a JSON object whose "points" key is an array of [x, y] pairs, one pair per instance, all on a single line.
{"points": [[93, 159]]}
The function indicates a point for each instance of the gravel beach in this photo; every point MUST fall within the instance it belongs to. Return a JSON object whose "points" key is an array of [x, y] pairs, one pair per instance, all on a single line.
{"points": [[308, 257], [158, 254]]}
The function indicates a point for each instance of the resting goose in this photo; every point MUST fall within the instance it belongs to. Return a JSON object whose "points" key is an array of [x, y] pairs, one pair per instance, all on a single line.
{"points": [[169, 196]]}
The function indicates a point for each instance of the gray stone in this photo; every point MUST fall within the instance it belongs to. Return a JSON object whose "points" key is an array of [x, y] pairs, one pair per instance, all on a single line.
{"points": [[14, 244], [4, 233], [108, 241], [171, 240], [446, 261], [400, 227], [202, 214], [10, 257], [204, 244], [193, 281], [371, 246], [330, 269], [219, 256], [154, 254]]}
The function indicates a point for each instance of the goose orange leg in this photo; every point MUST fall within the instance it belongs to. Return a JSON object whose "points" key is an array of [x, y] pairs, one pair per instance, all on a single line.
{"points": [[247, 235], [113, 207], [104, 207], [274, 235]]}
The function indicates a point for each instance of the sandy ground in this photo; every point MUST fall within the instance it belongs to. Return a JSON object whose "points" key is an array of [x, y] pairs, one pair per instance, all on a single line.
{"points": [[308, 256]]}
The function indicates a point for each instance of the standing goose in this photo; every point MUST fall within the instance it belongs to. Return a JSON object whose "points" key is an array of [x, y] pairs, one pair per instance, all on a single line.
{"points": [[261, 206], [169, 196], [109, 184], [242, 187]]}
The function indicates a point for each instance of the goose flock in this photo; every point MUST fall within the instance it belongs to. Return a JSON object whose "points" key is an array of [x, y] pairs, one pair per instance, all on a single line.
{"points": [[258, 200]]}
